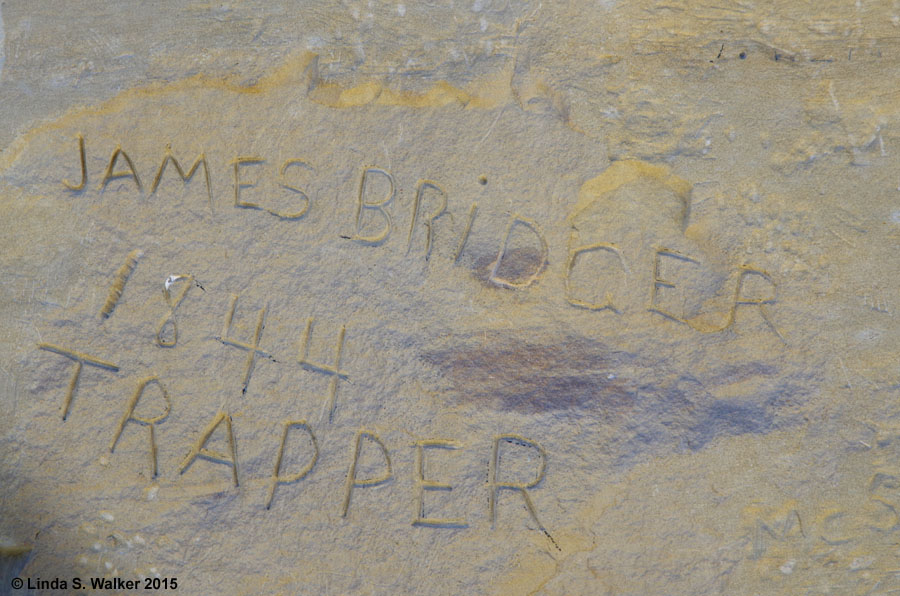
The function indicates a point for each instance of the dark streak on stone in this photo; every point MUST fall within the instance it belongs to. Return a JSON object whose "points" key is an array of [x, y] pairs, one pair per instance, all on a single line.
{"points": [[650, 401], [533, 377]]}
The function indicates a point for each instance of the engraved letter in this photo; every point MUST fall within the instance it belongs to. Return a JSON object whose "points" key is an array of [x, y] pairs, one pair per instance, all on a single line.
{"points": [[782, 528], [334, 372], [422, 485], [277, 478], [303, 195], [252, 348], [80, 359], [740, 300], [533, 226], [352, 480], [429, 223], [201, 160], [81, 186], [198, 450], [830, 527], [150, 422], [380, 207], [494, 473], [659, 282], [238, 185], [466, 231], [570, 266], [118, 286], [173, 304], [112, 175]]}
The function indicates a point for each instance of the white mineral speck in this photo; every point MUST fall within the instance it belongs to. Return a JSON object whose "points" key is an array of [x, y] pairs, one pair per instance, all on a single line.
{"points": [[172, 279]]}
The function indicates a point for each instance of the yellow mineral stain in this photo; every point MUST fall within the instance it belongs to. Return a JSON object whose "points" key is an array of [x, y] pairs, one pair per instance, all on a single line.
{"points": [[359, 95], [300, 71], [625, 172], [439, 95]]}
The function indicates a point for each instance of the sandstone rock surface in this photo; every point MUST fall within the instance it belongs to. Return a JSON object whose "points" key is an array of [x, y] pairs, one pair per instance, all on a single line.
{"points": [[442, 298]]}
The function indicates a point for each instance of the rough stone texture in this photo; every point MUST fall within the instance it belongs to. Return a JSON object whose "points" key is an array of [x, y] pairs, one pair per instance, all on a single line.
{"points": [[677, 291]]}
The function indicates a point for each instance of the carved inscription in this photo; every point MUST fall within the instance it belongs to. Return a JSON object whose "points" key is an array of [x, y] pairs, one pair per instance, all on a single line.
{"points": [[376, 207], [282, 179], [759, 303], [258, 161], [823, 534], [780, 526]]}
